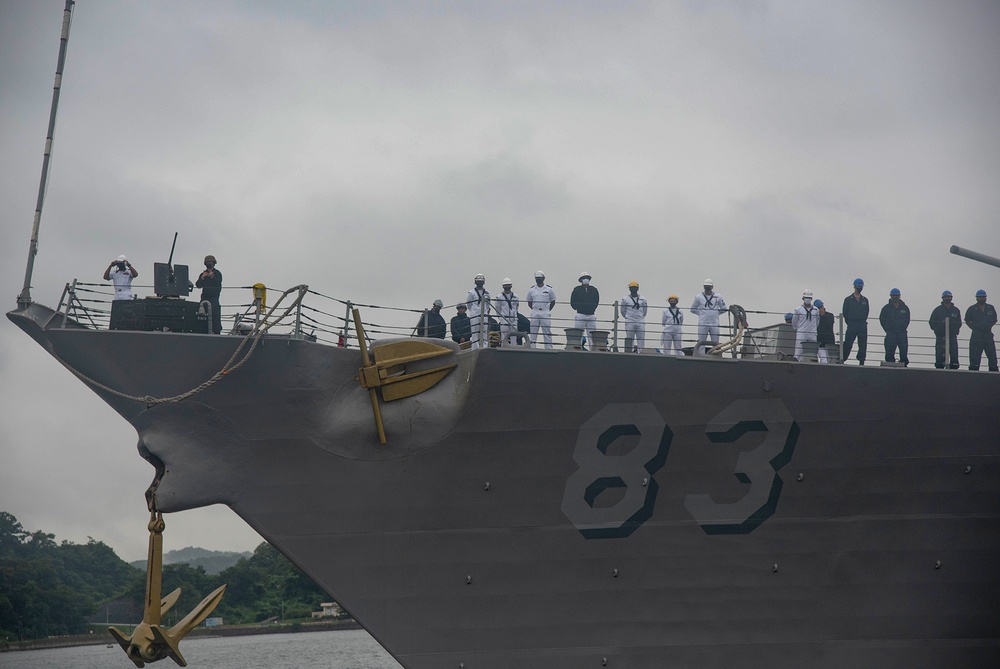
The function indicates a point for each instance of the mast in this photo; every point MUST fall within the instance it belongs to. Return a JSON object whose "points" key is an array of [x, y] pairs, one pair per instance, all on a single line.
{"points": [[24, 299]]}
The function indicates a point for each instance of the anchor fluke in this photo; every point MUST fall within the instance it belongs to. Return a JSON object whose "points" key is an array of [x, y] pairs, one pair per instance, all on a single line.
{"points": [[150, 641], [168, 602], [172, 637], [166, 642]]}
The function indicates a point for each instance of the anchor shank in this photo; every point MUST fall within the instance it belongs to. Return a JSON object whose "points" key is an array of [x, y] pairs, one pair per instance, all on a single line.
{"points": [[154, 571], [366, 363]]}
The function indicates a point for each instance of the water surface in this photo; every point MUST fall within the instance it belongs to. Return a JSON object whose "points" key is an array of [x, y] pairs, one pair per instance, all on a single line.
{"points": [[338, 649]]}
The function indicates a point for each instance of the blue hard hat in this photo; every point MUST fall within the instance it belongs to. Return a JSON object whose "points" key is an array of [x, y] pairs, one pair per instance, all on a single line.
{"points": [[859, 282], [818, 303], [980, 293], [894, 291], [946, 293], [788, 316]]}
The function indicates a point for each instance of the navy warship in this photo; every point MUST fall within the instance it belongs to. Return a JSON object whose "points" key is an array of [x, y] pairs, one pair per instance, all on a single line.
{"points": [[620, 509]]}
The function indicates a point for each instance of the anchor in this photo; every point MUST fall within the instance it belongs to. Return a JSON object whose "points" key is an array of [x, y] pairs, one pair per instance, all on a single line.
{"points": [[150, 641], [388, 373]]}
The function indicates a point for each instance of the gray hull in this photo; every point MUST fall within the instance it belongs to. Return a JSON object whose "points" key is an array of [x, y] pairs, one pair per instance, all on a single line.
{"points": [[560, 509]]}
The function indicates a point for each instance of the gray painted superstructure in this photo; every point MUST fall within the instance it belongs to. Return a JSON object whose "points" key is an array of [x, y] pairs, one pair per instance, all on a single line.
{"points": [[565, 509]]}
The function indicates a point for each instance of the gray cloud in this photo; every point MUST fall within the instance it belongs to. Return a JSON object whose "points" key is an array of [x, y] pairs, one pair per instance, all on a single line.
{"points": [[386, 152]]}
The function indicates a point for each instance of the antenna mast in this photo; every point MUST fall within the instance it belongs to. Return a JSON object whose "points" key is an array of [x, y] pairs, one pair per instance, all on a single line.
{"points": [[24, 299]]}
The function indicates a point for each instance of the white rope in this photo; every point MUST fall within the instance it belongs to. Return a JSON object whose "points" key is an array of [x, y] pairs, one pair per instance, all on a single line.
{"points": [[740, 314], [256, 334], [722, 348]]}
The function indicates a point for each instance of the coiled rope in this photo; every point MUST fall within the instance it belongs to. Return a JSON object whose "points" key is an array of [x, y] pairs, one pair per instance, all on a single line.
{"points": [[741, 319]]}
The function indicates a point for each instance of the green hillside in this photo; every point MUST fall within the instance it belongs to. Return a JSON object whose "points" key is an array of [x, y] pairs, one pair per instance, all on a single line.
{"points": [[49, 588], [212, 562]]}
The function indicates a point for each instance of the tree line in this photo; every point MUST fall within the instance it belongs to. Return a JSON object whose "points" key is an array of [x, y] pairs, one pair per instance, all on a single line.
{"points": [[51, 589]]}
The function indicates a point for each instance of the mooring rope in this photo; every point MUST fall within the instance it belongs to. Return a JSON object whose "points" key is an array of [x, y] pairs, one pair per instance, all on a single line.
{"points": [[741, 319], [732, 343], [231, 365]]}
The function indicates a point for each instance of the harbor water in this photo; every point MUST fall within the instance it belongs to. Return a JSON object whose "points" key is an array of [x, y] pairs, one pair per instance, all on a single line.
{"points": [[341, 649]]}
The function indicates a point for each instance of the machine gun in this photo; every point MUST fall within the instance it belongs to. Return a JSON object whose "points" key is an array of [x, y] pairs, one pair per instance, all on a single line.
{"points": [[171, 280]]}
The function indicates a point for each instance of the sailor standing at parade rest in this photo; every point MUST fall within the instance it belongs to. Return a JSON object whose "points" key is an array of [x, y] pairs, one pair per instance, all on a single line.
{"points": [[506, 305], [541, 300], [461, 330], [121, 273], [673, 320], [805, 320], [946, 313], [478, 300], [585, 300], [633, 309], [855, 313], [707, 306], [981, 317], [895, 318]]}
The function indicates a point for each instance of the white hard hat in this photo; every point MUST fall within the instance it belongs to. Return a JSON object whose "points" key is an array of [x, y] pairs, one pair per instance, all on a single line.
{"points": [[807, 294], [539, 274], [507, 282], [585, 275], [708, 282], [438, 303], [122, 259], [480, 277]]}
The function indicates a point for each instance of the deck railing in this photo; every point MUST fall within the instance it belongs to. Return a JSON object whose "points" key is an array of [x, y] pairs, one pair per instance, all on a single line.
{"points": [[327, 319]]}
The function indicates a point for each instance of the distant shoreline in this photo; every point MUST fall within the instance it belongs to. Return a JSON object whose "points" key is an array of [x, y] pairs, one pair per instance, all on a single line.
{"points": [[104, 638]]}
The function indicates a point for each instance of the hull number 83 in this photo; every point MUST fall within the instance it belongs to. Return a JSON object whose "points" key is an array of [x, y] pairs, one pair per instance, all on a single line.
{"points": [[627, 475]]}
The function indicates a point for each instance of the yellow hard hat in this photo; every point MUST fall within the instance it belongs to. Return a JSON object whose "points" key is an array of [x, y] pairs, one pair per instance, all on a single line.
{"points": [[673, 297], [633, 283]]}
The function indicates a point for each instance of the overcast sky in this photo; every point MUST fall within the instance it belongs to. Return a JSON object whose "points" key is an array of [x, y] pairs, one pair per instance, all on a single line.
{"points": [[386, 152]]}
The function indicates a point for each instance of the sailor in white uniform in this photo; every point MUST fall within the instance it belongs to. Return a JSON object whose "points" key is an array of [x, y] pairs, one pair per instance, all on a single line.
{"points": [[505, 305], [805, 320], [707, 306], [541, 300], [478, 300], [120, 272], [673, 320], [633, 309]]}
